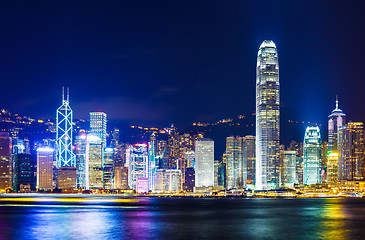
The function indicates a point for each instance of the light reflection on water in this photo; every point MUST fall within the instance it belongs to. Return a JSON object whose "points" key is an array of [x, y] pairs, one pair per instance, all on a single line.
{"points": [[178, 218]]}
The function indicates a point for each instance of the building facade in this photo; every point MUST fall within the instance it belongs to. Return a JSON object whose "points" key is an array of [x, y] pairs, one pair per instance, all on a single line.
{"points": [[249, 158], [235, 166], [44, 174], [267, 117], [98, 121], [287, 168], [204, 162], [351, 152], [312, 156], [65, 156]]}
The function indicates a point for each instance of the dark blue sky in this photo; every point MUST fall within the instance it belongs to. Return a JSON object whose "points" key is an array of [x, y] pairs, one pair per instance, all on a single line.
{"points": [[161, 62]]}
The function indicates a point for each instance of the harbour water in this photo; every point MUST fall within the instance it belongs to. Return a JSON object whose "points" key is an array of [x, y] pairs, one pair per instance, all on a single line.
{"points": [[180, 218]]}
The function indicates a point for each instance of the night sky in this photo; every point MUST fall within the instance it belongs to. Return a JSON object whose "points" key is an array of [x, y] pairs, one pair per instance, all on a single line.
{"points": [[162, 62]]}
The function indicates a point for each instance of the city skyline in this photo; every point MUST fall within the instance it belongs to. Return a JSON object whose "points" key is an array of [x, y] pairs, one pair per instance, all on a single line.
{"points": [[164, 94]]}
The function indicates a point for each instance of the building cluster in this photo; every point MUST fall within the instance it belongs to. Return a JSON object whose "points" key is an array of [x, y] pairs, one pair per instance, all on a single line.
{"points": [[93, 159]]}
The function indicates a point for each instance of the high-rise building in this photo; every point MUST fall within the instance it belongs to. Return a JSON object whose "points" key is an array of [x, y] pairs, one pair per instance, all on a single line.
{"points": [[65, 156], [5, 161], [298, 148], [332, 167], [23, 173], [152, 166], [189, 182], [160, 181], [80, 151], [312, 156], [287, 168], [336, 120], [267, 117], [173, 180], [235, 174], [94, 159], [108, 169], [121, 177], [204, 162], [249, 158], [351, 152], [138, 164], [45, 168], [98, 126]]}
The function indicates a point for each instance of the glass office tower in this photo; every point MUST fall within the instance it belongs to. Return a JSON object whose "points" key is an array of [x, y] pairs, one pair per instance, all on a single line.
{"points": [[312, 156], [267, 117]]}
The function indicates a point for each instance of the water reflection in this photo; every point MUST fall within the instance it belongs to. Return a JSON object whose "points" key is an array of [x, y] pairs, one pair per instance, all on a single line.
{"points": [[176, 218]]}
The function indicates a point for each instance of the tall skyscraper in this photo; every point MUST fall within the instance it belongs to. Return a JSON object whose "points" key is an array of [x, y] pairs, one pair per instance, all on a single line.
{"points": [[204, 162], [267, 117], [94, 158], [287, 168], [234, 165], [45, 168], [351, 152], [108, 168], [138, 164], [312, 156], [65, 156], [249, 158], [336, 120], [80, 151], [5, 161], [98, 126], [23, 172]]}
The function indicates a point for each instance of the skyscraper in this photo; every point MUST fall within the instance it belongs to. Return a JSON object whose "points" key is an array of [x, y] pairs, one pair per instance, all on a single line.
{"points": [[45, 168], [312, 156], [234, 164], [108, 168], [65, 156], [5, 161], [23, 172], [351, 152], [204, 162], [267, 117], [98, 126], [138, 164], [249, 158], [336, 120], [287, 168], [94, 158], [80, 151]]}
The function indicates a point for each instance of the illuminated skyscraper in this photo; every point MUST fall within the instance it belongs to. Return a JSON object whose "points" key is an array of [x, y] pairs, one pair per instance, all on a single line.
{"points": [[204, 162], [234, 164], [249, 158], [45, 168], [23, 172], [312, 156], [98, 126], [65, 156], [108, 169], [287, 168], [267, 117], [5, 161], [336, 120], [351, 152], [80, 151], [332, 167], [94, 159], [138, 164]]}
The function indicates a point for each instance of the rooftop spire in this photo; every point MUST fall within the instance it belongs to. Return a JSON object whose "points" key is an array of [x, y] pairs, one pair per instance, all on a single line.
{"points": [[63, 94], [336, 102]]}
